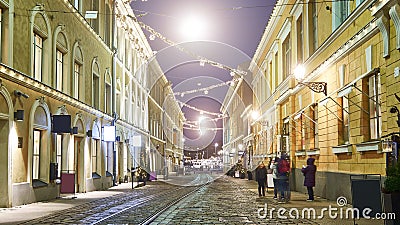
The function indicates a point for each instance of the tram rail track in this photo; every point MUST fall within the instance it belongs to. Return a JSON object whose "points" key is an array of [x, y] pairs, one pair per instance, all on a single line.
{"points": [[122, 212]]}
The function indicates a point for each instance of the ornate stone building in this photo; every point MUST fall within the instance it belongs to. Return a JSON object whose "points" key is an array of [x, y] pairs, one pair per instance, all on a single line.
{"points": [[339, 110], [83, 62]]}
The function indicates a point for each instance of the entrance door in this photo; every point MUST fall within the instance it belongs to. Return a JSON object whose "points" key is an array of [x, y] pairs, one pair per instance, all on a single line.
{"points": [[4, 131], [77, 162]]}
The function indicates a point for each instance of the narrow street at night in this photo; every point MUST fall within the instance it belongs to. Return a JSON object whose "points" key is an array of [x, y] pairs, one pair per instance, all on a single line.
{"points": [[200, 112], [215, 199]]}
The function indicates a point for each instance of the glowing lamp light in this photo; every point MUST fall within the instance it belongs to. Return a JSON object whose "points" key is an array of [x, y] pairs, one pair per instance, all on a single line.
{"points": [[255, 115], [299, 72], [193, 27]]}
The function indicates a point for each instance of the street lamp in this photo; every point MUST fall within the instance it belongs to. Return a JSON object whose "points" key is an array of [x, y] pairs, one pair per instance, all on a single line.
{"points": [[215, 148], [319, 87]]}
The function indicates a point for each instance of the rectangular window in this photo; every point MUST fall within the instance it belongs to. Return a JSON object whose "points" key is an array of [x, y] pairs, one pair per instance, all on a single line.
{"points": [[59, 153], [300, 40], [59, 70], [96, 89], [37, 57], [107, 100], [107, 29], [276, 62], [345, 120], [314, 26], [95, 22], [77, 72], [286, 48], [314, 125], [94, 155], [375, 116], [36, 154], [340, 12]]}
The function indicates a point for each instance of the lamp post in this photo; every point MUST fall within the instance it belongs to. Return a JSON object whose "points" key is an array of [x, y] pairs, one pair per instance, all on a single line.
{"points": [[319, 87]]}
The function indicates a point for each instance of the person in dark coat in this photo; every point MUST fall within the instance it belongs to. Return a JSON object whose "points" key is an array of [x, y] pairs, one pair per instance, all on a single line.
{"points": [[261, 176], [309, 177]]}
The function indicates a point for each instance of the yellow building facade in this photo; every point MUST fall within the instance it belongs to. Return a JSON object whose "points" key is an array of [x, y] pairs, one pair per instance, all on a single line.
{"points": [[84, 62], [338, 111]]}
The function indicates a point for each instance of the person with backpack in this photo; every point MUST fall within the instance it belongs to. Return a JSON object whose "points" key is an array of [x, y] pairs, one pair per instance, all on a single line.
{"points": [[283, 178], [309, 177], [274, 168]]}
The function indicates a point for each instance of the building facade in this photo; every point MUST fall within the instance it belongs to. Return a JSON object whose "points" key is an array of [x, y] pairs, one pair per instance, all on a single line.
{"points": [[83, 61], [339, 111]]}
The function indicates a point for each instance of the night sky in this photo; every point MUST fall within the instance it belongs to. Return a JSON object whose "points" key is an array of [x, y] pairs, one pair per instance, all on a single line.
{"points": [[225, 31]]}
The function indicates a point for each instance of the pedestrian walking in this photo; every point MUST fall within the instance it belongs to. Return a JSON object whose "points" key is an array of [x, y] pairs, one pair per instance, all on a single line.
{"points": [[309, 177], [261, 177], [274, 168], [283, 179]]}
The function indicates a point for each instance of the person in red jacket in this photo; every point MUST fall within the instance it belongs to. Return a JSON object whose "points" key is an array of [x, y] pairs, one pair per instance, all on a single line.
{"points": [[309, 177]]}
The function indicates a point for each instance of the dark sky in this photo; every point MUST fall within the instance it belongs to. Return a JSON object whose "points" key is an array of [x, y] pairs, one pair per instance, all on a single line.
{"points": [[226, 31]]}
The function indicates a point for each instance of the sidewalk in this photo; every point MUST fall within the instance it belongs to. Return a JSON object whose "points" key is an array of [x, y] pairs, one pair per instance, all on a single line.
{"points": [[298, 202], [38, 209]]}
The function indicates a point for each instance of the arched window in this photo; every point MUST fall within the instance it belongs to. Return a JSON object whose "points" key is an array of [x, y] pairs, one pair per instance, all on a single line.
{"points": [[40, 43], [95, 84], [60, 58], [77, 76], [39, 144], [107, 90]]}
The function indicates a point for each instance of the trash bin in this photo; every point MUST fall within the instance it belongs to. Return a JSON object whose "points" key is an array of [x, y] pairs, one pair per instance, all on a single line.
{"points": [[249, 175]]}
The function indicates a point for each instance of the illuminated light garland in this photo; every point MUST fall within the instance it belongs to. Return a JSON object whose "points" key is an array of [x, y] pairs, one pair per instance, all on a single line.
{"points": [[199, 110], [202, 59], [209, 119], [206, 89], [203, 128]]}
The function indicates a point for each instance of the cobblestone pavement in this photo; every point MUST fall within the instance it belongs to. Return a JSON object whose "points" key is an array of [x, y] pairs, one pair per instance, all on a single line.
{"points": [[226, 200]]}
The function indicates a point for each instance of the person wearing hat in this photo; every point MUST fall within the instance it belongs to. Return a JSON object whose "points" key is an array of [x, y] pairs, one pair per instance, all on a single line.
{"points": [[261, 177], [309, 177]]}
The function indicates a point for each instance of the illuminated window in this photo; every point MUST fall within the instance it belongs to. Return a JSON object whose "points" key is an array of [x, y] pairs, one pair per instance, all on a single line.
{"points": [[59, 70], [59, 139], [375, 116], [37, 56], [36, 154], [77, 79]]}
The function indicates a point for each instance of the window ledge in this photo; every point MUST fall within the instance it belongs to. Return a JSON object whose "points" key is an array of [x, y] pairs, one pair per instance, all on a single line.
{"points": [[314, 151], [95, 175], [368, 146], [300, 153], [347, 148], [38, 183]]}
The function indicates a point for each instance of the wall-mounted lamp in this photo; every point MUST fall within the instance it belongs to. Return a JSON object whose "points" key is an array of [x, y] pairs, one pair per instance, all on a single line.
{"points": [[89, 133], [19, 115], [19, 93], [394, 109], [319, 87], [126, 141]]}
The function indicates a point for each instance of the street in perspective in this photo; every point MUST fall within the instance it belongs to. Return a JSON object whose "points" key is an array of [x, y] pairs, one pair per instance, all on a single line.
{"points": [[200, 112]]}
